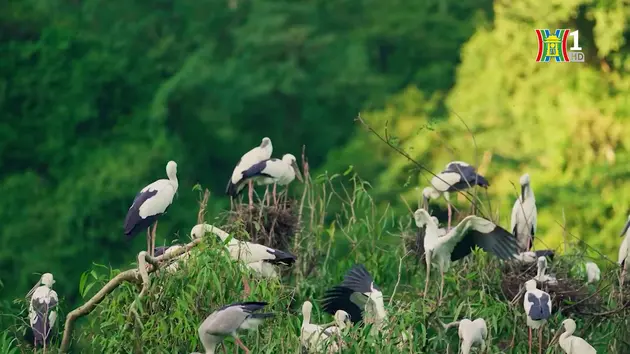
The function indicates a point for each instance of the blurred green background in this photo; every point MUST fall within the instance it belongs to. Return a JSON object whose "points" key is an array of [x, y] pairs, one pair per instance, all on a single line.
{"points": [[96, 96]]}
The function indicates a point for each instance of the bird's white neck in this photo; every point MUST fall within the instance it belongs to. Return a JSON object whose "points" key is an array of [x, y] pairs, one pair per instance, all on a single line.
{"points": [[528, 193], [306, 317], [564, 336], [221, 234]]}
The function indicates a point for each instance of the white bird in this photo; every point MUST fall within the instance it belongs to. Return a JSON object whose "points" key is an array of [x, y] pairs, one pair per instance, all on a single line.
{"points": [[524, 215], [260, 258], [532, 256], [149, 204], [593, 273], [356, 294], [273, 171], [460, 241], [471, 333], [541, 276], [252, 157], [318, 338], [624, 250], [572, 344], [456, 176], [537, 305], [41, 313], [227, 320]]}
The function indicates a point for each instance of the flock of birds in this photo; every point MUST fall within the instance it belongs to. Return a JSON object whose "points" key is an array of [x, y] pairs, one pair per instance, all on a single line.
{"points": [[357, 299]]}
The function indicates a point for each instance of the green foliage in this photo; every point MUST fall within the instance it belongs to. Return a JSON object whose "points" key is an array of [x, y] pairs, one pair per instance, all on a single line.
{"points": [[361, 232]]}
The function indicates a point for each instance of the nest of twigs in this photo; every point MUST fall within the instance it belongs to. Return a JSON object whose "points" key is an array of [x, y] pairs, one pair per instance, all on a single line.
{"points": [[273, 226], [569, 296]]}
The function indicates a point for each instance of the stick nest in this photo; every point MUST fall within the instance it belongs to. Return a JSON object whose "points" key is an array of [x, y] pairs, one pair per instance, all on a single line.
{"points": [[569, 296], [273, 226]]}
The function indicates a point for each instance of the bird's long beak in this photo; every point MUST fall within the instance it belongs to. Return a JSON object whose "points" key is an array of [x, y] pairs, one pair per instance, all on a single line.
{"points": [[556, 336], [30, 292], [425, 203], [625, 228], [523, 192], [298, 174]]}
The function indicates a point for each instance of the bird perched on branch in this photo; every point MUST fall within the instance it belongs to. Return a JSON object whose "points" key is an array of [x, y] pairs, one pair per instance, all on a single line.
{"points": [[457, 176], [461, 240], [227, 320], [356, 294], [524, 215], [149, 204], [260, 258], [252, 157], [572, 344], [41, 312], [537, 304]]}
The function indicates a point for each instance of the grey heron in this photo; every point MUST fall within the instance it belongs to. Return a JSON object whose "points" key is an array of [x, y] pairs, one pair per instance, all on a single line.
{"points": [[227, 320], [149, 204]]}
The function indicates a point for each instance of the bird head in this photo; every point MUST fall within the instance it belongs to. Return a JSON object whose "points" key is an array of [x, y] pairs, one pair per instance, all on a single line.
{"points": [[198, 231], [542, 263], [47, 280], [171, 169], [307, 307], [524, 181], [342, 319], [625, 227], [292, 161], [569, 324], [265, 142], [530, 285], [422, 217]]}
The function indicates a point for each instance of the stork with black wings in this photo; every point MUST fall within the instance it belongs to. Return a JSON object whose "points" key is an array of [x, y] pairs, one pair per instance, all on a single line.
{"points": [[473, 231], [358, 296]]}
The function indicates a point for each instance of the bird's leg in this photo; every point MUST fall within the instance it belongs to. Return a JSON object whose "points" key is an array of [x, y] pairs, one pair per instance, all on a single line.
{"points": [[530, 340], [250, 193], [223, 346], [246, 288], [483, 346], [441, 283], [275, 200], [149, 239], [240, 344], [450, 215], [267, 195], [427, 257], [153, 238]]}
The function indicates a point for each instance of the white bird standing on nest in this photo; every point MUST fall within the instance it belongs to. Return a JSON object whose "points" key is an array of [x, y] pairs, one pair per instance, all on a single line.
{"points": [[524, 215], [149, 204], [460, 241], [541, 276], [624, 251], [227, 320], [537, 304], [41, 313], [572, 344], [261, 259], [252, 157], [318, 338], [457, 176], [356, 295], [593, 274], [274, 171]]}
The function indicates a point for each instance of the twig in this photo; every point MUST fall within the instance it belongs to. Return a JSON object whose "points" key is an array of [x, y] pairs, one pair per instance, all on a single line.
{"points": [[391, 299], [203, 203]]}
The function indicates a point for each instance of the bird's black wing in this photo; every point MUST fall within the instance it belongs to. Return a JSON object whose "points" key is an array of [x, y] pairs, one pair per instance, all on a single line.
{"points": [[257, 169], [470, 177], [41, 327], [359, 279], [545, 253], [339, 298], [540, 307], [133, 222], [281, 257], [419, 244], [499, 242]]}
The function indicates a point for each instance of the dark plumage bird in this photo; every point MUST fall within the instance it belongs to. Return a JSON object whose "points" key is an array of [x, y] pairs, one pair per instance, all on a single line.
{"points": [[537, 304], [227, 320], [456, 176], [41, 313], [149, 204], [355, 294], [473, 231]]}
